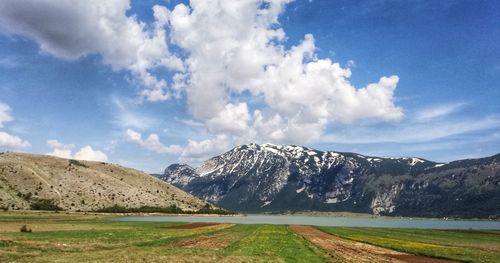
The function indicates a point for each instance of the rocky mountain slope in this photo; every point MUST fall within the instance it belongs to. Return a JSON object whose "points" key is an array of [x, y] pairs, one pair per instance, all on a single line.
{"points": [[279, 178], [83, 185]]}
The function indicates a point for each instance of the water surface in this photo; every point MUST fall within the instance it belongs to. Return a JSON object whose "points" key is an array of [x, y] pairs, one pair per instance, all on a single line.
{"points": [[324, 221]]}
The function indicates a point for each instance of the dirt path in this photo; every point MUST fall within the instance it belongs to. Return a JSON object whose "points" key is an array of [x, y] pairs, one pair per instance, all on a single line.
{"points": [[198, 225], [352, 251]]}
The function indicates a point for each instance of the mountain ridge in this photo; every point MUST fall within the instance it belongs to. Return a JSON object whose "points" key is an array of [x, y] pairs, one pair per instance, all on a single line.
{"points": [[262, 178]]}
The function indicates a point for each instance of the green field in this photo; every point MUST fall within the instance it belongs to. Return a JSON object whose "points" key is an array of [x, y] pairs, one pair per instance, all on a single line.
{"points": [[461, 245], [61, 237], [83, 238]]}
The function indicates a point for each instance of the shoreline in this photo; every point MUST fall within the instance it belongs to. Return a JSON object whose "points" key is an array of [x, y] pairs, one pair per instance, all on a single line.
{"points": [[311, 214]]}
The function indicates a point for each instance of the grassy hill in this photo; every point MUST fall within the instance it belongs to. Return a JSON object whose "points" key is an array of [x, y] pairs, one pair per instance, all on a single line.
{"points": [[28, 181]]}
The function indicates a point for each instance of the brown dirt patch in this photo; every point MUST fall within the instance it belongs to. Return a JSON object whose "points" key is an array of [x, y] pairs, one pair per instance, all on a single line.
{"points": [[352, 251], [216, 241], [420, 259], [192, 225]]}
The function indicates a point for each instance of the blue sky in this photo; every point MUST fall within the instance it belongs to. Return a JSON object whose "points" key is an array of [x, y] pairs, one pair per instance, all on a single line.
{"points": [[157, 82]]}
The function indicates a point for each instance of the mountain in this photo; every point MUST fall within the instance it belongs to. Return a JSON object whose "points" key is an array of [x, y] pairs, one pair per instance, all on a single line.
{"points": [[263, 178], [82, 185]]}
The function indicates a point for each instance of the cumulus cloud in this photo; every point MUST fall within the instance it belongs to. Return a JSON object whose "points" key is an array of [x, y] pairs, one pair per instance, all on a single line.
{"points": [[61, 153], [60, 149], [197, 151], [12, 141], [55, 144], [72, 29], [8, 140], [233, 52], [233, 118], [152, 143], [5, 114], [85, 153], [89, 154], [194, 151], [237, 49], [238, 46]]}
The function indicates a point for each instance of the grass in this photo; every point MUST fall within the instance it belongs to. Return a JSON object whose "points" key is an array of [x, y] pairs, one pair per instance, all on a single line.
{"points": [[461, 245], [78, 237], [274, 243], [60, 237]]}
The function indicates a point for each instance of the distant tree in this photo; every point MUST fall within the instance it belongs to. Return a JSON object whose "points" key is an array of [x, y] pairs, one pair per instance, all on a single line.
{"points": [[44, 204]]}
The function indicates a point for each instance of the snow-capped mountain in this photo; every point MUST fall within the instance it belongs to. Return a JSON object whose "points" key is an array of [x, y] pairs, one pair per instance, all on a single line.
{"points": [[277, 178]]}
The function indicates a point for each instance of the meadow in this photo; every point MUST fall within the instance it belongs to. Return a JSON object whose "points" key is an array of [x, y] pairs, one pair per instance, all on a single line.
{"points": [[460, 245], [79, 237]]}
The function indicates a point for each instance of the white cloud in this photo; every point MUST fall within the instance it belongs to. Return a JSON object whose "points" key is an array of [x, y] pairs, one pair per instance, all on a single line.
{"points": [[8, 140], [124, 115], [61, 153], [152, 143], [89, 154], [197, 151], [192, 123], [234, 53], [72, 29], [438, 111], [12, 141], [5, 114], [411, 132], [194, 151], [237, 46], [59, 149], [55, 144], [86, 153], [233, 119]]}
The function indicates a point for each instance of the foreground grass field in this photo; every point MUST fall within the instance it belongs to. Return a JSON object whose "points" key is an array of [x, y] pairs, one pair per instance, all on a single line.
{"points": [[461, 245], [60, 237], [86, 238]]}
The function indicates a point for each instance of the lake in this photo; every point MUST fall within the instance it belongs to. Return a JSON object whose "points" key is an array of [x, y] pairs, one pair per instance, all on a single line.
{"points": [[324, 221]]}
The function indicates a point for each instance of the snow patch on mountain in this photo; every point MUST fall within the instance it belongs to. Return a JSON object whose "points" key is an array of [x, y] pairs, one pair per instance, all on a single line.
{"points": [[415, 161]]}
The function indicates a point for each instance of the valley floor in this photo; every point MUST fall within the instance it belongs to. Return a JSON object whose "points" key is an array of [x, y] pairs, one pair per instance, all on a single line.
{"points": [[61, 237]]}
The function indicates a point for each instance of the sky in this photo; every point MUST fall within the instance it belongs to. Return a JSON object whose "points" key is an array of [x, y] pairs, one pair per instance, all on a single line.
{"points": [[152, 82]]}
